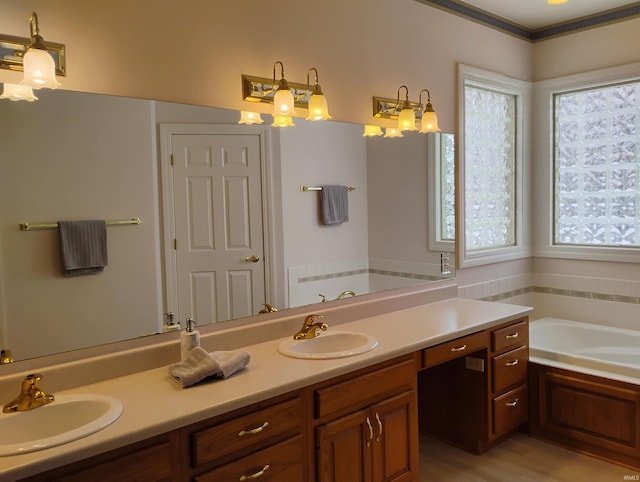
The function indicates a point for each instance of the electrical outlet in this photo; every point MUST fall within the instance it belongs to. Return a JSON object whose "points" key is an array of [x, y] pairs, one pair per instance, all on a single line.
{"points": [[445, 263]]}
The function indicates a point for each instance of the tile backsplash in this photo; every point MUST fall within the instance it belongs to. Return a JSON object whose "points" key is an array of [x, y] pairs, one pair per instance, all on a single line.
{"points": [[606, 301]]}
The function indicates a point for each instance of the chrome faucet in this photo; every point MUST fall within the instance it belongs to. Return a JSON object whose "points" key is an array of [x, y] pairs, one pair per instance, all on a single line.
{"points": [[310, 328], [345, 294], [30, 396]]}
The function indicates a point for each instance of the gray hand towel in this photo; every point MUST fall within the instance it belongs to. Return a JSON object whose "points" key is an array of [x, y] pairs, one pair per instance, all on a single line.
{"points": [[200, 365], [335, 204], [83, 246]]}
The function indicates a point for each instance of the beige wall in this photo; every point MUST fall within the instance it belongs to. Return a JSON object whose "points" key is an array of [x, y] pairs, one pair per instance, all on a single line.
{"points": [[593, 49], [196, 51]]}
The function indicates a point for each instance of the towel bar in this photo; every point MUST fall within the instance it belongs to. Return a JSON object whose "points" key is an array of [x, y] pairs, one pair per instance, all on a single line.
{"points": [[29, 226], [319, 188]]}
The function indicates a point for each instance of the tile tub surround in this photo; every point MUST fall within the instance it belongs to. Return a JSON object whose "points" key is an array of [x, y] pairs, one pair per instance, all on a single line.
{"points": [[614, 302], [269, 374]]}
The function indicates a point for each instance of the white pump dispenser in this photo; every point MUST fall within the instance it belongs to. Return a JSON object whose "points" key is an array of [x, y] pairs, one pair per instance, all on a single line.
{"points": [[189, 338]]}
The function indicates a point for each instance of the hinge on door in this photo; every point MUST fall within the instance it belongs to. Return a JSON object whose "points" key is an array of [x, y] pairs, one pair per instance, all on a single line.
{"points": [[171, 159], [175, 243]]}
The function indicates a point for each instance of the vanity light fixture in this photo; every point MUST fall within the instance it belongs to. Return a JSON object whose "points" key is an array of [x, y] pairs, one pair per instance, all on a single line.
{"points": [[392, 132], [286, 96], [407, 112], [247, 117], [318, 108], [372, 131], [429, 122], [18, 92], [556, 2], [39, 60], [407, 116], [38, 64], [283, 100]]}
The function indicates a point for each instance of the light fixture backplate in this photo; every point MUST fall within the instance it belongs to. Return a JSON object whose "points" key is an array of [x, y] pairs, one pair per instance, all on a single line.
{"points": [[12, 50], [260, 89], [385, 108]]}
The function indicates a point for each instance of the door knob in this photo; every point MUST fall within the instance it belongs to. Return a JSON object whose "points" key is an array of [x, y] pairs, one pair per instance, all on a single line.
{"points": [[254, 258]]}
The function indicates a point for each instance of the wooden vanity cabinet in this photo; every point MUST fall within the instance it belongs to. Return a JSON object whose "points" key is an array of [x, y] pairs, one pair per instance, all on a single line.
{"points": [[265, 441], [473, 390], [366, 426], [156, 459]]}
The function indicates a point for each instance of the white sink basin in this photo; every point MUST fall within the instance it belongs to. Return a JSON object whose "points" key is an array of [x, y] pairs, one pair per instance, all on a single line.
{"points": [[331, 344], [67, 418]]}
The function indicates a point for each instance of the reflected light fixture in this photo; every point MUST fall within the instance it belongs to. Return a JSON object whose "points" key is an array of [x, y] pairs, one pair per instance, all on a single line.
{"points": [[407, 117], [429, 117], [282, 121], [283, 100], [318, 108], [38, 64], [17, 92], [392, 132], [372, 131], [247, 117]]}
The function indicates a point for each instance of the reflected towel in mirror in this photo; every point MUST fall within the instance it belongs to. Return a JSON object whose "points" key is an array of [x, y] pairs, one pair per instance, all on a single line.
{"points": [[83, 247], [335, 204], [200, 364]]}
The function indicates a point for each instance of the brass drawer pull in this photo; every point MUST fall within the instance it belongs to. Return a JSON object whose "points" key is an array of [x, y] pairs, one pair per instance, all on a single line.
{"points": [[379, 427], [253, 431], [255, 475], [370, 432], [512, 336], [512, 404], [460, 348], [512, 363]]}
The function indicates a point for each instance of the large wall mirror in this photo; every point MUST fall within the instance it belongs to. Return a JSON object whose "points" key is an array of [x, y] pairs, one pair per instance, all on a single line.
{"points": [[73, 155]]}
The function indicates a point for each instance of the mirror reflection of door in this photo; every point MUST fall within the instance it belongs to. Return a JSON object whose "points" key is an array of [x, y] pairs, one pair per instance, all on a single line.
{"points": [[217, 226]]}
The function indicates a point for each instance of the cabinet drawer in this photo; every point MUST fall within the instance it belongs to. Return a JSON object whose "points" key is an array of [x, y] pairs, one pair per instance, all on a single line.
{"points": [[282, 461], [359, 390], [510, 410], [510, 336], [510, 368], [453, 349], [249, 430]]}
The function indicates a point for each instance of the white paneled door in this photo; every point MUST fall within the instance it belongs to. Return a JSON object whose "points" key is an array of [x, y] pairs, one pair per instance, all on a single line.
{"points": [[217, 221]]}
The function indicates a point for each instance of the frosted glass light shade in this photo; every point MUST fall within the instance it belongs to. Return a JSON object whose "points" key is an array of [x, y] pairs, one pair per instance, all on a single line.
{"points": [[283, 103], [407, 120], [18, 92], [429, 122], [39, 69], [372, 131], [318, 108], [247, 117], [393, 132], [282, 121]]}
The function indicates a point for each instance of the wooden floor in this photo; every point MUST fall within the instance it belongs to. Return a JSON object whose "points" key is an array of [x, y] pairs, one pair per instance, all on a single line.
{"points": [[518, 459]]}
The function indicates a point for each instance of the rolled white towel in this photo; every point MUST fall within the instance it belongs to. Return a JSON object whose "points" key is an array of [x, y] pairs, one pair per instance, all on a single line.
{"points": [[200, 364]]}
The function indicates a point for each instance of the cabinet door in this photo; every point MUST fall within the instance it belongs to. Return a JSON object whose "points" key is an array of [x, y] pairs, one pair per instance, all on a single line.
{"points": [[395, 444], [344, 449]]}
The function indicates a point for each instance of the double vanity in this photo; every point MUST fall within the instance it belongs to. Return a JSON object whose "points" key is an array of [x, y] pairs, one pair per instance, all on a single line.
{"points": [[455, 369]]}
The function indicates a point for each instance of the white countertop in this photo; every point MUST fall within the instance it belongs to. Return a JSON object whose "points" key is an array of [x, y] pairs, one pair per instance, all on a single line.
{"points": [[154, 403]]}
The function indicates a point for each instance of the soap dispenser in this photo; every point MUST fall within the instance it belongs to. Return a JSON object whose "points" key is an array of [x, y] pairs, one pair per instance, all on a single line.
{"points": [[189, 338]]}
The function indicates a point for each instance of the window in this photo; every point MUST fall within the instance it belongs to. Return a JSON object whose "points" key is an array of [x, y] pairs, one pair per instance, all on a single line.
{"points": [[492, 165], [587, 166], [597, 166]]}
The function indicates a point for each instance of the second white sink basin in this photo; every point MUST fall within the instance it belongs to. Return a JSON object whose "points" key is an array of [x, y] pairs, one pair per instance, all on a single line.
{"points": [[331, 344], [67, 418]]}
